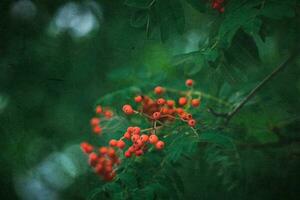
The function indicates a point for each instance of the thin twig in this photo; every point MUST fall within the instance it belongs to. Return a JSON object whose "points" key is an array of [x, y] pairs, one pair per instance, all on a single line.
{"points": [[228, 116]]}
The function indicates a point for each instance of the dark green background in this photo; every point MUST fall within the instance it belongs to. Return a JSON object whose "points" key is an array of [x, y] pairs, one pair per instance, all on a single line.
{"points": [[50, 81]]}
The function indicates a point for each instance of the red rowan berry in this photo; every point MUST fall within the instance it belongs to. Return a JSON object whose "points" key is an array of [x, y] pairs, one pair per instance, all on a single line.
{"points": [[103, 150], [182, 101], [136, 130], [156, 115], [192, 122], [99, 109], [159, 145], [216, 5], [108, 114], [135, 138], [188, 116], [164, 111], [86, 147], [130, 129], [101, 160], [195, 102], [170, 103], [153, 139], [127, 109], [113, 142], [121, 144], [93, 158], [109, 176], [131, 149], [127, 136], [159, 90], [144, 138], [179, 111], [138, 99], [95, 121], [108, 169], [97, 129], [139, 143], [221, 10], [99, 168], [161, 101], [111, 152], [189, 82], [127, 154], [139, 152]]}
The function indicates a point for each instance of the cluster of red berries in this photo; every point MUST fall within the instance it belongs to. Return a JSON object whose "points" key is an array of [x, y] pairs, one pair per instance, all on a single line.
{"points": [[95, 121], [165, 110], [217, 4], [104, 162], [139, 141], [158, 111]]}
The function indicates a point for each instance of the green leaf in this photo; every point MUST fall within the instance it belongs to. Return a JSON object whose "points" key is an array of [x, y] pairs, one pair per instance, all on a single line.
{"points": [[199, 5], [169, 169], [177, 15], [278, 9], [181, 144], [239, 15], [217, 138], [128, 179], [139, 3], [139, 18], [171, 18]]}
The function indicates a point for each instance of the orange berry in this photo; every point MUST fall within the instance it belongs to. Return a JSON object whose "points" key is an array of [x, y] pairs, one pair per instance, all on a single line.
{"points": [[188, 116], [97, 129], [99, 168], [95, 121], [108, 168], [195, 102], [93, 159], [111, 152], [139, 142], [182, 101], [159, 90], [121, 144], [161, 101], [113, 142], [127, 136], [131, 149], [170, 103], [139, 152], [86, 147], [165, 111], [130, 129], [144, 138], [160, 145], [192, 122], [189, 82], [180, 111], [109, 176], [99, 109], [136, 130], [156, 115], [138, 99], [135, 138], [127, 154], [108, 114], [127, 109], [153, 139], [103, 150]]}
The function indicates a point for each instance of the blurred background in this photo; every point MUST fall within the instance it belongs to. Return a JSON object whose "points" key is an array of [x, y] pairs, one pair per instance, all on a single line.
{"points": [[58, 57]]}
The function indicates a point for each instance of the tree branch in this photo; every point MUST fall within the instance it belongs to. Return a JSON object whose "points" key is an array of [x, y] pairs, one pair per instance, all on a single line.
{"points": [[229, 115]]}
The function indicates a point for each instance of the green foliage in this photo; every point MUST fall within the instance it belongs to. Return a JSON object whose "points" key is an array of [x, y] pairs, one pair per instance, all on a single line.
{"points": [[50, 81]]}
